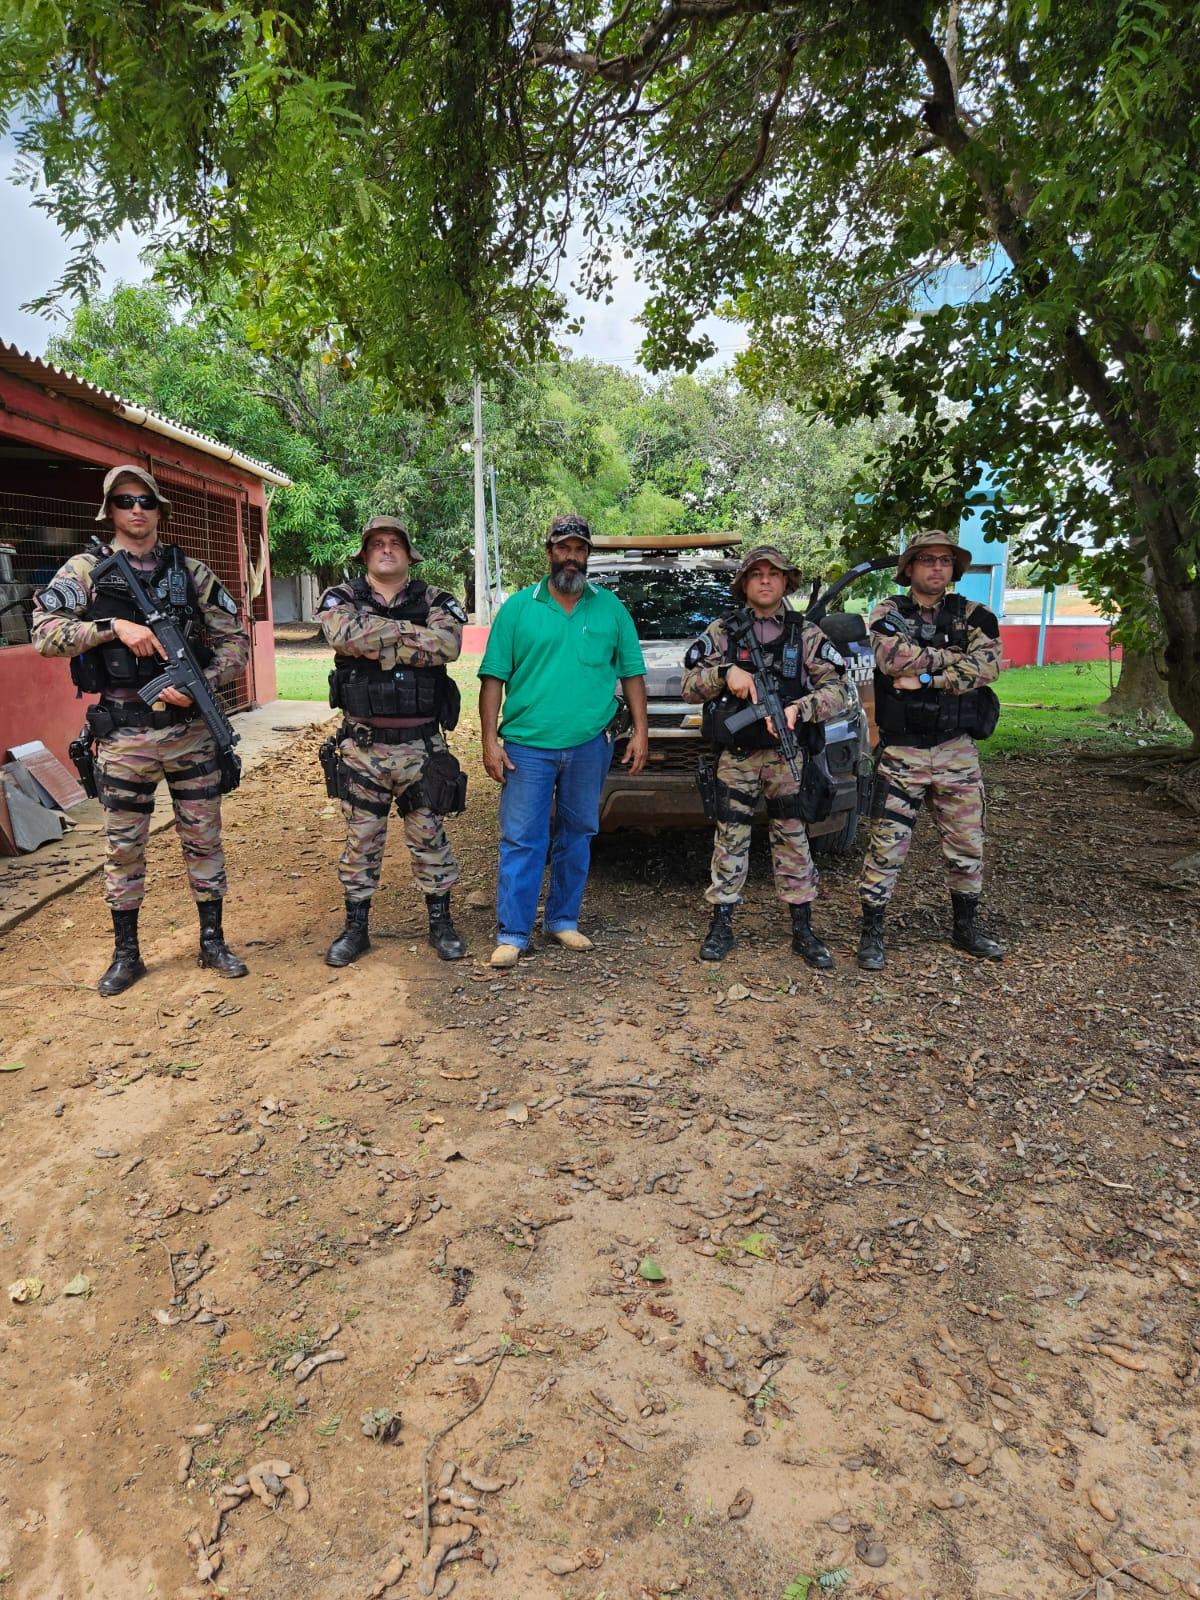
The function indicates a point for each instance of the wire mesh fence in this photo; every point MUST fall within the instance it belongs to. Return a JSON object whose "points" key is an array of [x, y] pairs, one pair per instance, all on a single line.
{"points": [[39, 531]]}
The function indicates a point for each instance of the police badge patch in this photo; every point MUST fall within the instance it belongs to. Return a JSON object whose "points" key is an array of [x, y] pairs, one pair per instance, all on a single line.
{"points": [[219, 597], [699, 651], [827, 652], [64, 594], [450, 604]]}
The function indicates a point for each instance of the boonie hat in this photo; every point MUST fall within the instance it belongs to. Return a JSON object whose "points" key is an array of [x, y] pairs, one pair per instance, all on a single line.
{"points": [[921, 541], [776, 558], [390, 525], [128, 470], [570, 526]]}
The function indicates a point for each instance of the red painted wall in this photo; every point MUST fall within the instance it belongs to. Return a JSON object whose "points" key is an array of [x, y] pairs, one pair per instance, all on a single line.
{"points": [[1065, 641], [37, 697], [37, 701]]}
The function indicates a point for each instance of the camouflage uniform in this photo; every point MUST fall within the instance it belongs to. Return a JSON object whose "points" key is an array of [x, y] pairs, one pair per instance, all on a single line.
{"points": [[948, 773], [131, 762], [765, 772], [377, 773]]}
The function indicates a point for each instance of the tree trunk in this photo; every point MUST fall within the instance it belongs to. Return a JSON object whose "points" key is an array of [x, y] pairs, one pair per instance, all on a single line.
{"points": [[1141, 688]]}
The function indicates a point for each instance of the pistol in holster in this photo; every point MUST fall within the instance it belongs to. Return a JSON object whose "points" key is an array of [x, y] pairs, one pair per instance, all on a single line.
{"points": [[80, 752], [327, 755]]}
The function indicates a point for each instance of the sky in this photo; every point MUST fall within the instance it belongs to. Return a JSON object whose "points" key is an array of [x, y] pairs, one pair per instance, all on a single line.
{"points": [[40, 252]]}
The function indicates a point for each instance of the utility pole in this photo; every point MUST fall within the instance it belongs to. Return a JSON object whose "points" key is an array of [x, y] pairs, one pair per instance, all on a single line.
{"points": [[483, 599], [497, 578]]}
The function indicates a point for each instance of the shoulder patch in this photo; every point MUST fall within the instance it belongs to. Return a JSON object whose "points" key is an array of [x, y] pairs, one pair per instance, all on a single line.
{"points": [[985, 621], [335, 597], [700, 650], [64, 594], [450, 605], [828, 652], [218, 596], [886, 624]]}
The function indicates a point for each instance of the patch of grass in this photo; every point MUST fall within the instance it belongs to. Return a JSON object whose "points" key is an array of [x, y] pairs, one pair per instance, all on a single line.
{"points": [[1045, 708]]}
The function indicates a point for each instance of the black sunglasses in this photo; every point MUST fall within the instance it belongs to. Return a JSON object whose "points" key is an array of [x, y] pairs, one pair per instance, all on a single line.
{"points": [[126, 502]]}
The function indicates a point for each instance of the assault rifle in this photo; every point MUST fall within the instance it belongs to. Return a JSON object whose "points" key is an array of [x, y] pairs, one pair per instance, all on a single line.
{"points": [[181, 670], [766, 702]]}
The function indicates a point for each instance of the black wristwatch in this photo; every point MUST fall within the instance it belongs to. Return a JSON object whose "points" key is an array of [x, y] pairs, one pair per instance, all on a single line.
{"points": [[925, 679]]}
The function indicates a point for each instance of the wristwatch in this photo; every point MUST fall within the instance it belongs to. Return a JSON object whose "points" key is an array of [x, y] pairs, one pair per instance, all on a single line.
{"points": [[925, 679]]}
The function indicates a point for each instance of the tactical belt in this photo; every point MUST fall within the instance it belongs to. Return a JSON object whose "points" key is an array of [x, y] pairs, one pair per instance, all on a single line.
{"points": [[133, 714], [364, 734]]}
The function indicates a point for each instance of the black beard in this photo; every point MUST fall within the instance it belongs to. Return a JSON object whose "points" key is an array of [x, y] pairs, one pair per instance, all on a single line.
{"points": [[568, 577]]}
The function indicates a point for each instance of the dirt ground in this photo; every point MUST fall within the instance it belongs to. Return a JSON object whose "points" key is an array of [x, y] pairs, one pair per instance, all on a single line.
{"points": [[730, 1278]]}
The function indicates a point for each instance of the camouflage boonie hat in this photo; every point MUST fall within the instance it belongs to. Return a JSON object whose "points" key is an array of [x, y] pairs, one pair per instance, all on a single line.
{"points": [[389, 525], [772, 554], [128, 470], [932, 536]]}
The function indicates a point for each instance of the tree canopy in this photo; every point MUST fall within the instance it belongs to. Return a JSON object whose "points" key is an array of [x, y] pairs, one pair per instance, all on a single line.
{"points": [[690, 455], [399, 181]]}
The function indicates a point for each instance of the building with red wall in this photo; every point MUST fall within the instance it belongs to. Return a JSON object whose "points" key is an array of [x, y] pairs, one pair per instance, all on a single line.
{"points": [[59, 435]]}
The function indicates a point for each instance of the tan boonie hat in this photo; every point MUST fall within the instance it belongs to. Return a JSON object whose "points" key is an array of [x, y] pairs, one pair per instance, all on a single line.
{"points": [[388, 525], [922, 541], [144, 476], [769, 553]]}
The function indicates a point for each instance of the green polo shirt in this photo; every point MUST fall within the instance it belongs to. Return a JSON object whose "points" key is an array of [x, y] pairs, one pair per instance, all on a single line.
{"points": [[560, 669]]}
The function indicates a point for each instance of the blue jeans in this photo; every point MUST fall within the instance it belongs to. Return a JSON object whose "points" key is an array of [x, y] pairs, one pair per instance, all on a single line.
{"points": [[571, 781]]}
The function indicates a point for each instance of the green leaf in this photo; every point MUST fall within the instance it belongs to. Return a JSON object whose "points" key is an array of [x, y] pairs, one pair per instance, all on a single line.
{"points": [[757, 1244], [329, 1428], [650, 1270], [12, 1066], [798, 1588], [79, 1284]]}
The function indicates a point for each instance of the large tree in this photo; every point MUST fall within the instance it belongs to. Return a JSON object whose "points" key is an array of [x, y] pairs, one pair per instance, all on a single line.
{"points": [[397, 177]]}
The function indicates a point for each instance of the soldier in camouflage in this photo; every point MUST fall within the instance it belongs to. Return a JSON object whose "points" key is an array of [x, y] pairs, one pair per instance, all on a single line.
{"points": [[393, 637], [812, 686], [935, 655], [137, 745]]}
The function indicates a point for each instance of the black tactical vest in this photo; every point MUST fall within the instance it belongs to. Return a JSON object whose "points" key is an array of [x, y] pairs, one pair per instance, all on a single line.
{"points": [[363, 688], [926, 717], [784, 657], [171, 586]]}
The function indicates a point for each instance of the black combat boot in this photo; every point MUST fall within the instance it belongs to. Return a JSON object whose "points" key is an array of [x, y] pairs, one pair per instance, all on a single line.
{"points": [[214, 952], [443, 935], [353, 939], [966, 936], [871, 955], [720, 938], [805, 942], [127, 964]]}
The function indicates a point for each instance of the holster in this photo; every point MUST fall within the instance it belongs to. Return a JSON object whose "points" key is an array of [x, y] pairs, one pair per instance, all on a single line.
{"points": [[444, 783], [80, 752], [327, 755], [722, 802]]}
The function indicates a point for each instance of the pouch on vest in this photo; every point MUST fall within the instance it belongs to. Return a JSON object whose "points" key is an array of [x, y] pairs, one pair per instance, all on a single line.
{"points": [[87, 672]]}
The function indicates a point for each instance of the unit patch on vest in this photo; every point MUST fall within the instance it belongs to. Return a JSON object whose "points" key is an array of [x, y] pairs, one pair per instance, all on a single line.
{"points": [[64, 594], [335, 597], [834, 658], [451, 605], [219, 597]]}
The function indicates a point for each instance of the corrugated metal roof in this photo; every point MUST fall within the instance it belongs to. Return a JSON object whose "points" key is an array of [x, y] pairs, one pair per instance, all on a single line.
{"points": [[44, 373]]}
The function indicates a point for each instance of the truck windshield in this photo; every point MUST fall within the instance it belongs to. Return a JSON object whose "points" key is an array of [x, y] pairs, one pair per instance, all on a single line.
{"points": [[677, 604]]}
